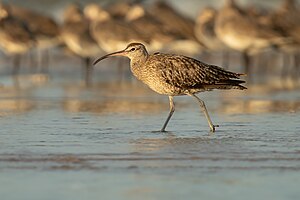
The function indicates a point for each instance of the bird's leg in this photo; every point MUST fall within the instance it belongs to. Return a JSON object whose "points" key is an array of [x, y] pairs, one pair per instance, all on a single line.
{"points": [[246, 60], [33, 60], [296, 73], [16, 64], [286, 62], [225, 59], [45, 57], [88, 70], [172, 109], [204, 110]]}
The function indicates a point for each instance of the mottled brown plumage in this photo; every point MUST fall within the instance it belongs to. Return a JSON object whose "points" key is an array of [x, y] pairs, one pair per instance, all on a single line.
{"points": [[175, 75], [15, 36]]}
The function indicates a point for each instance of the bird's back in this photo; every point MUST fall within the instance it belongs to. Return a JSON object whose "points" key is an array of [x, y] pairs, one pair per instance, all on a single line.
{"points": [[77, 37], [180, 24], [115, 34], [154, 29], [178, 75], [15, 36], [204, 29], [38, 23]]}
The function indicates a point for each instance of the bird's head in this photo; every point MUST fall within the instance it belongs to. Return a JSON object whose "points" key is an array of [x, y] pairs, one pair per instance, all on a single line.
{"points": [[4, 10], [73, 13], [134, 51], [207, 14]]}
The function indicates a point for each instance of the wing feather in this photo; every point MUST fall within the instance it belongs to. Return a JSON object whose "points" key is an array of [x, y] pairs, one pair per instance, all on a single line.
{"points": [[189, 73]]}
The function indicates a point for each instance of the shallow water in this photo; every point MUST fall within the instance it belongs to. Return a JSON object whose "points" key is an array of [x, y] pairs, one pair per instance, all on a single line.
{"points": [[62, 140]]}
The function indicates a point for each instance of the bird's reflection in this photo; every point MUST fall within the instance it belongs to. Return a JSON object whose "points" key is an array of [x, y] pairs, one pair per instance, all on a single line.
{"points": [[15, 106], [113, 106], [256, 106], [174, 141], [132, 98], [109, 98]]}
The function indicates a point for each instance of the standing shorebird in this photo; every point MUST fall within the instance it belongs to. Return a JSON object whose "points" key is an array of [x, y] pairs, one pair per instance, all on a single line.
{"points": [[15, 36], [204, 29], [159, 35], [175, 75], [205, 33], [240, 32], [44, 29], [286, 18], [180, 23], [111, 34], [75, 33]]}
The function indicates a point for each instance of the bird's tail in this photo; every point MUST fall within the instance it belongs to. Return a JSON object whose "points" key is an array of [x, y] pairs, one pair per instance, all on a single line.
{"points": [[228, 84]]}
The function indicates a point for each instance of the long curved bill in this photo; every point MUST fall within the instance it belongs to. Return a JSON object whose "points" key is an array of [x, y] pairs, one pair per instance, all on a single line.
{"points": [[118, 53]]}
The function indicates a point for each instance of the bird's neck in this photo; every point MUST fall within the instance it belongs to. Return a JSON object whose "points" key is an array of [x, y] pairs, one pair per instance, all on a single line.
{"points": [[139, 59], [137, 64]]}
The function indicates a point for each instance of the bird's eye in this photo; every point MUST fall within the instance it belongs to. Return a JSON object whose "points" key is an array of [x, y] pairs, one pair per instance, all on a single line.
{"points": [[132, 49]]}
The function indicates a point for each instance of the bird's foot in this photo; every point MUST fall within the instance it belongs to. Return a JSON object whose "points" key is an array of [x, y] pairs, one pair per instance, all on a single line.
{"points": [[163, 131], [213, 128]]}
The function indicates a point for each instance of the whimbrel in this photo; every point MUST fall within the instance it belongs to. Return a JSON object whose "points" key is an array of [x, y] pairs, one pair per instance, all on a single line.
{"points": [[119, 9], [205, 32], [287, 19], [152, 28], [204, 29], [44, 28], [175, 75], [240, 32], [111, 34], [15, 36], [180, 23], [75, 32]]}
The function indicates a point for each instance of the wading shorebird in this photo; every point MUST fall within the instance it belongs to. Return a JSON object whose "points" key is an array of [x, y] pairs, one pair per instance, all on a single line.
{"points": [[75, 33], [16, 38], [176, 75], [241, 32], [181, 24], [205, 33], [44, 29]]}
